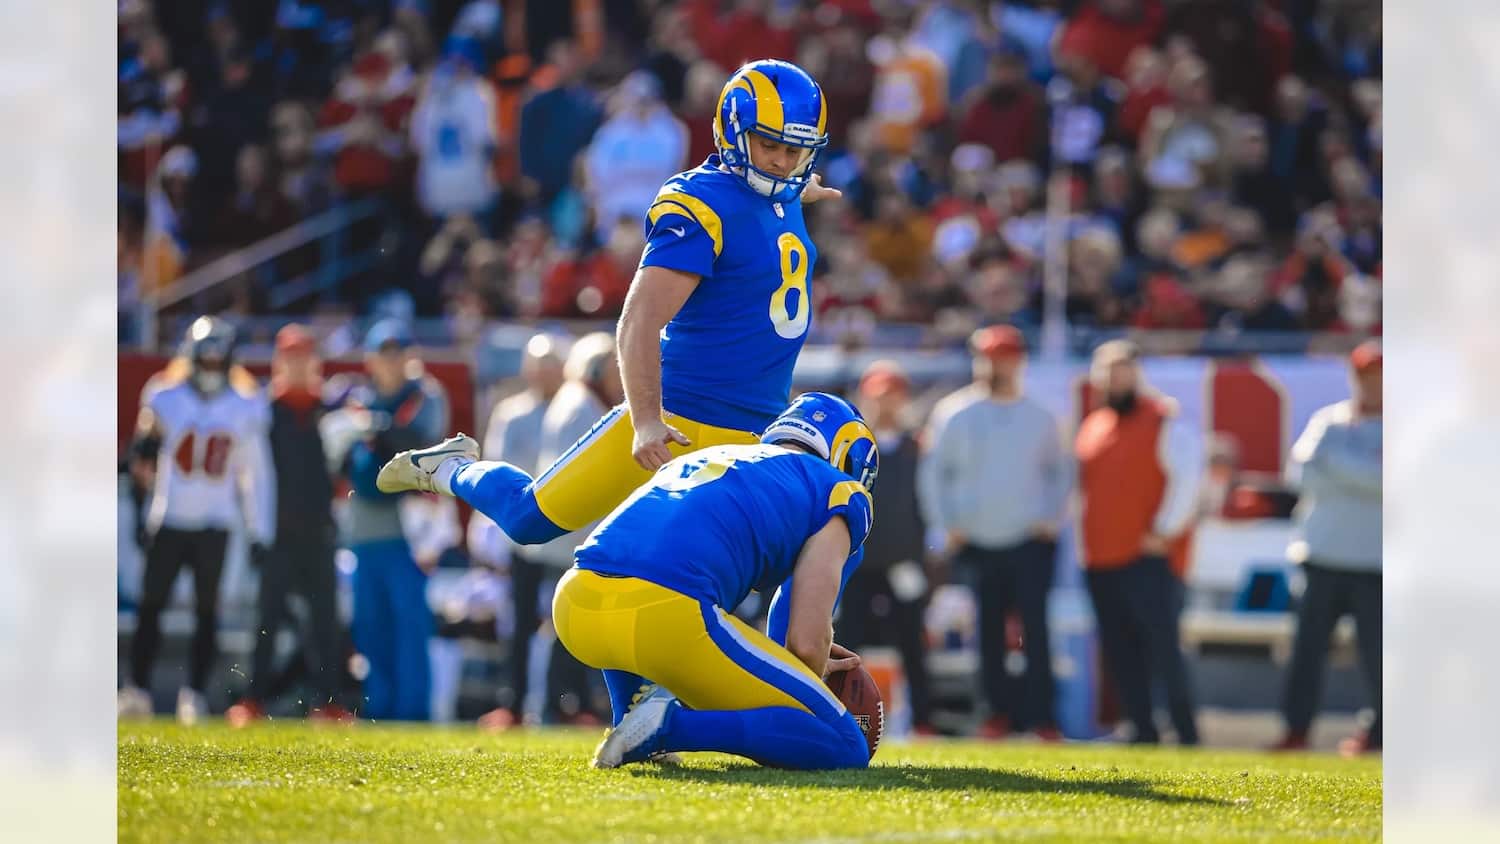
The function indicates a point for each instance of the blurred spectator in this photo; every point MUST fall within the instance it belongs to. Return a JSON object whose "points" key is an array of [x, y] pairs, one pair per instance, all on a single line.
{"points": [[365, 119], [732, 33], [899, 238], [454, 134], [1082, 106], [594, 286], [1115, 200], [998, 293], [482, 21], [1094, 263], [398, 407], [556, 123], [172, 224], [703, 83], [1309, 280], [1251, 181], [956, 31], [303, 179], [201, 438], [1005, 114], [1029, 25], [1191, 128], [591, 387], [1358, 212], [1297, 125], [257, 208], [1106, 32], [1207, 239], [671, 54], [964, 217], [128, 268], [1025, 226], [1248, 45], [641, 145], [514, 435], [151, 97], [529, 256], [1241, 300], [1146, 89], [999, 501], [853, 289], [230, 113], [301, 560], [838, 60], [910, 91], [1336, 465], [445, 254], [1138, 469], [884, 600]]}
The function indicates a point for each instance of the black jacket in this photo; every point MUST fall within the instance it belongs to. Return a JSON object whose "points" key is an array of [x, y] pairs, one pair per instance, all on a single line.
{"points": [[304, 490], [898, 532]]}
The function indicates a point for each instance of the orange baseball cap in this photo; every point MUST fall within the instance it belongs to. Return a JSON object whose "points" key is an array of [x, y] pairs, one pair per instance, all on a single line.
{"points": [[882, 377], [998, 341], [293, 338]]}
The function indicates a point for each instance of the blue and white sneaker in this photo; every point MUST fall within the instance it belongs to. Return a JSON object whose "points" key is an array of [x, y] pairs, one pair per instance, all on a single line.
{"points": [[639, 734], [413, 470]]}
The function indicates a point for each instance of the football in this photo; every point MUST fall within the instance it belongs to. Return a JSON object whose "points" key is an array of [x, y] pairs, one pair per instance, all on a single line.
{"points": [[857, 689]]}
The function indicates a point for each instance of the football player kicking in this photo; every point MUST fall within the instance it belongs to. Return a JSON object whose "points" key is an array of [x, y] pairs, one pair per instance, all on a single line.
{"points": [[715, 318], [652, 588]]}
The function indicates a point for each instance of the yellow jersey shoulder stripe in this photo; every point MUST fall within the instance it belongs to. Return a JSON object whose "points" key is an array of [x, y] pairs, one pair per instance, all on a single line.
{"points": [[844, 491], [674, 201]]}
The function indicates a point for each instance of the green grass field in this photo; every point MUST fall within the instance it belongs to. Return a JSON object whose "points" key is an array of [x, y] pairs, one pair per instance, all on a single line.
{"points": [[291, 782]]}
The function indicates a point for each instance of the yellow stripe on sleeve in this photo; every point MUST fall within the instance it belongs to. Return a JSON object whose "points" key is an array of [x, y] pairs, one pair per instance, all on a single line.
{"points": [[691, 206]]}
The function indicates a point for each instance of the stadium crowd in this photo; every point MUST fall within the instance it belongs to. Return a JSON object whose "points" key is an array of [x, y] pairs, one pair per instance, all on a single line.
{"points": [[1211, 165]]}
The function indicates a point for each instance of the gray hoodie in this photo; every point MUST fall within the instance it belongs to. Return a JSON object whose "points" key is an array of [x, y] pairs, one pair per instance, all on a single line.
{"points": [[1336, 466]]}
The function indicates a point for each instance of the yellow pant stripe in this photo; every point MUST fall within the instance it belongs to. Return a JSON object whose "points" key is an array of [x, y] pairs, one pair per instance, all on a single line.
{"points": [[633, 625], [599, 471]]}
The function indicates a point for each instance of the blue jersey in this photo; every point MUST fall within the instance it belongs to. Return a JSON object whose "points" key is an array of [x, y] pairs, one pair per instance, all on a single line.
{"points": [[722, 521], [727, 356]]}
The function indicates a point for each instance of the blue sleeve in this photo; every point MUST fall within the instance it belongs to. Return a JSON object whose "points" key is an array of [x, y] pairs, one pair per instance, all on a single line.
{"points": [[683, 233], [780, 616], [363, 467], [420, 420], [850, 500]]}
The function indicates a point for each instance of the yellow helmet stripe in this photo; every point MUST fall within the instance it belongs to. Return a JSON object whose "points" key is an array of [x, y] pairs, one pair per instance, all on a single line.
{"points": [[768, 112], [693, 208], [847, 435], [822, 114]]}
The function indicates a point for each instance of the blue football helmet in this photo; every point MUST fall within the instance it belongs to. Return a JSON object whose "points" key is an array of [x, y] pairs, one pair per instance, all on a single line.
{"points": [[834, 430], [780, 101]]}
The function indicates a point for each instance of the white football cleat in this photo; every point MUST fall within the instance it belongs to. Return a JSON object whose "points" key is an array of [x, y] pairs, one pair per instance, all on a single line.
{"points": [[190, 706], [133, 702], [412, 470], [638, 736]]}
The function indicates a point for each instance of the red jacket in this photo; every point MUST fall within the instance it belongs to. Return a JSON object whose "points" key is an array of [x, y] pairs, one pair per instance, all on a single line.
{"points": [[1121, 480]]}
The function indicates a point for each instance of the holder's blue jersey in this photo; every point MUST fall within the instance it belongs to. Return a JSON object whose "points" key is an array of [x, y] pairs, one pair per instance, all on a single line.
{"points": [[722, 521], [727, 357]]}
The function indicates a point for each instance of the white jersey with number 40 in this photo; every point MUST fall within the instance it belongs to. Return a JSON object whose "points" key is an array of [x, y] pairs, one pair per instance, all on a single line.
{"points": [[214, 467]]}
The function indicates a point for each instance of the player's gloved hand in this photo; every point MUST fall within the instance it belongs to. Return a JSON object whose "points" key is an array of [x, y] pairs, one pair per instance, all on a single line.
{"points": [[652, 436], [840, 658], [258, 554], [816, 191]]}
